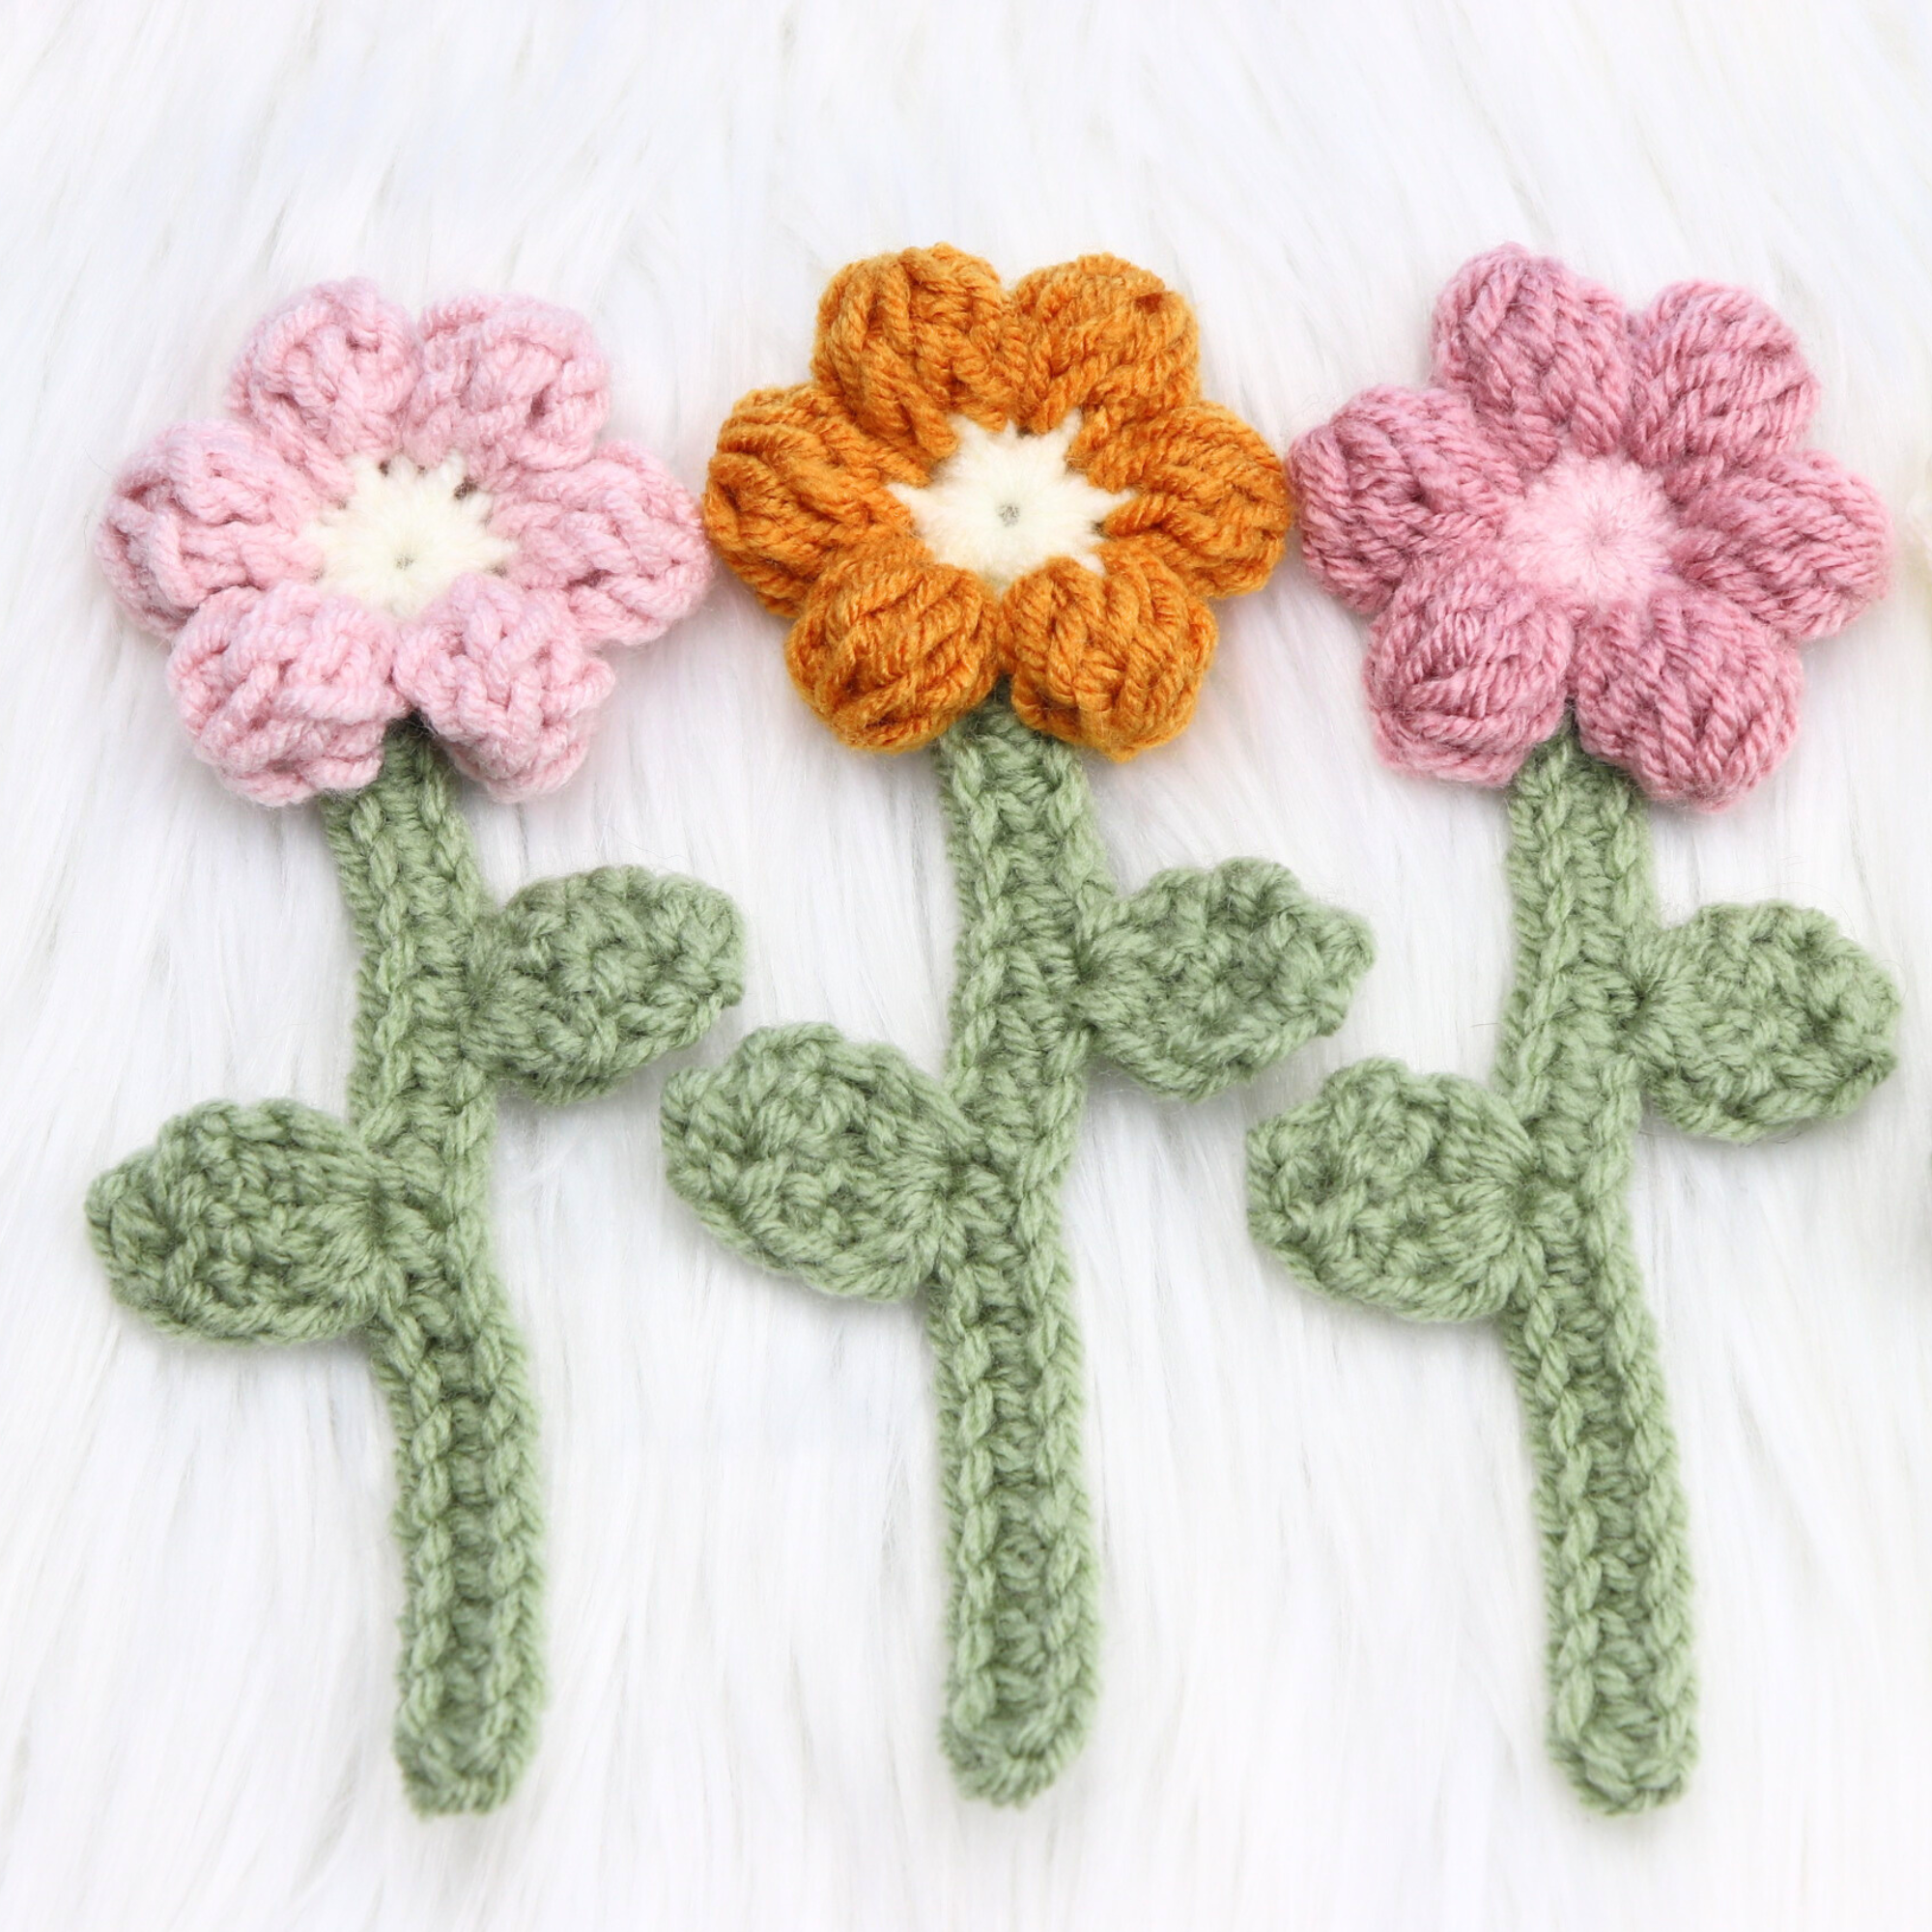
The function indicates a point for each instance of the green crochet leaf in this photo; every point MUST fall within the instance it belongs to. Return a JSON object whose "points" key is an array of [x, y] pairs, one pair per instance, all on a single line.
{"points": [[1203, 980], [1397, 1189], [1758, 1017], [247, 1224], [584, 980], [821, 1158]]}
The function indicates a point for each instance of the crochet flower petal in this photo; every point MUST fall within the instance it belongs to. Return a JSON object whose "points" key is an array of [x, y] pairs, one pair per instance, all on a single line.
{"points": [[502, 676], [329, 376], [1465, 672], [206, 507], [507, 384], [1693, 696], [286, 693], [1210, 497], [1718, 379], [907, 341], [618, 536], [1103, 337], [1800, 542], [1113, 658], [792, 485], [892, 647], [1538, 349], [1396, 479]]}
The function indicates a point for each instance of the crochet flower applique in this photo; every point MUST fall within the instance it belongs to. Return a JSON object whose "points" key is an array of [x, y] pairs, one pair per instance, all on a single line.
{"points": [[992, 518], [982, 484], [1591, 511], [401, 517], [414, 521], [1605, 516]]}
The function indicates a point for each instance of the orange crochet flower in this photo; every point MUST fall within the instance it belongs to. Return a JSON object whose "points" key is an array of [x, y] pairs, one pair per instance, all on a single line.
{"points": [[980, 483]]}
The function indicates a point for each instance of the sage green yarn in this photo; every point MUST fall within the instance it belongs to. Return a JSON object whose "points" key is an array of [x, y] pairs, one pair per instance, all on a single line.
{"points": [[1444, 1200], [842, 1164], [276, 1223]]}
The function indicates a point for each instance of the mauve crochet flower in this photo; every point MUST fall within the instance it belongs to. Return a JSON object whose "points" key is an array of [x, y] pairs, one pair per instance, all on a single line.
{"points": [[401, 517], [1595, 510]]}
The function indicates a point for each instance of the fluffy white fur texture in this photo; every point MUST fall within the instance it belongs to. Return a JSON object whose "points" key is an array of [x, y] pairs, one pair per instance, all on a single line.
{"points": [[1323, 1688]]}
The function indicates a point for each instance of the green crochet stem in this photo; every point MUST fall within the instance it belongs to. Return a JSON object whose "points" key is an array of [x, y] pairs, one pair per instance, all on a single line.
{"points": [[1446, 1201], [844, 1164], [275, 1222]]}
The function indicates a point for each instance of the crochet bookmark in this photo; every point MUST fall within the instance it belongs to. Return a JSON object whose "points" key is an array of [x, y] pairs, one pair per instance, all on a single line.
{"points": [[409, 534], [992, 518], [1589, 551]]}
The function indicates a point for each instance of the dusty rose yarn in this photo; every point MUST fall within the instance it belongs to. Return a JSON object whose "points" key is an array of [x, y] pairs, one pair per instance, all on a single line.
{"points": [[1597, 511], [401, 517]]}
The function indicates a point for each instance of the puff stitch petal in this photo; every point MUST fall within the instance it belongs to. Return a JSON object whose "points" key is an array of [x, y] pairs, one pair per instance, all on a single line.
{"points": [[1209, 498], [793, 483], [503, 677], [892, 646], [617, 535], [1797, 541], [205, 508], [329, 376], [1719, 381], [1113, 658], [1396, 478], [1693, 696], [1540, 350], [286, 693], [1467, 670], [1101, 336], [508, 383], [906, 342]]}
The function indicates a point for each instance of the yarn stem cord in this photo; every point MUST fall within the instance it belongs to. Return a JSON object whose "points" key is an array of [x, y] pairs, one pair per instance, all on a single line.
{"points": [[276, 1222], [443, 1345], [1031, 876], [1444, 1200], [1576, 1327], [844, 1164]]}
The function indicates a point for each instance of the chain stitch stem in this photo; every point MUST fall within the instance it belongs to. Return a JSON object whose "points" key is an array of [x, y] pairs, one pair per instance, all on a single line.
{"points": [[1578, 1333], [445, 1351]]}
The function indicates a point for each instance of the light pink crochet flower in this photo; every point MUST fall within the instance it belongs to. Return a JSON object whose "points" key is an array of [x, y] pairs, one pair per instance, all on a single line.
{"points": [[401, 517], [1595, 510]]}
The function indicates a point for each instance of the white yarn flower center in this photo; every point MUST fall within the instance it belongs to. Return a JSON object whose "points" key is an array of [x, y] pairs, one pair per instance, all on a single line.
{"points": [[406, 534], [1003, 504], [1595, 527]]}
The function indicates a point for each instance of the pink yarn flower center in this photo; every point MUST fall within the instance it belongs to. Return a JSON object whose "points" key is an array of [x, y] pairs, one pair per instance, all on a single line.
{"points": [[1595, 527]]}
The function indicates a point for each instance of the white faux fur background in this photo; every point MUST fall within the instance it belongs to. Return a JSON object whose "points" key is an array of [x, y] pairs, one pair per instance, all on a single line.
{"points": [[1322, 1694]]}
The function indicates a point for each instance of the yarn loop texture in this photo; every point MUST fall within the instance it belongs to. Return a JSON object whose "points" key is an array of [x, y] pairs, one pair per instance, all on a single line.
{"points": [[277, 1223], [1444, 1200], [401, 516], [842, 1164], [992, 517], [1594, 512], [1592, 545], [822, 498]]}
